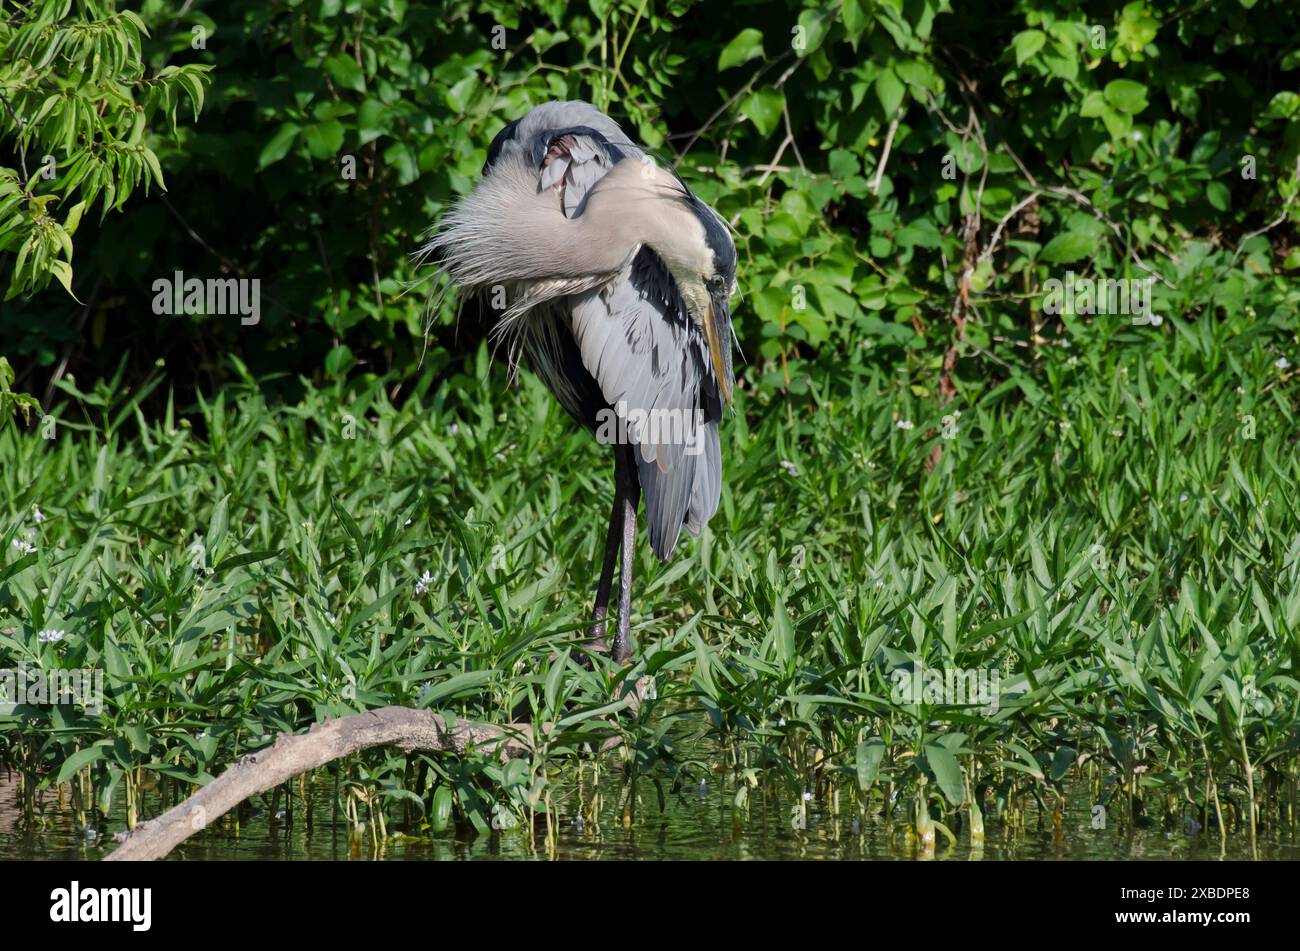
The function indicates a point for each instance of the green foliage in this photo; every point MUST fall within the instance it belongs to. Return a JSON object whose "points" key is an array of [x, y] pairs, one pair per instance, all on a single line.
{"points": [[926, 467], [78, 109], [12, 403], [1120, 542], [869, 154]]}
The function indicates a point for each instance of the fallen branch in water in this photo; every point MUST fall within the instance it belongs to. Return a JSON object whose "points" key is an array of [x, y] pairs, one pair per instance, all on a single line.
{"points": [[291, 755]]}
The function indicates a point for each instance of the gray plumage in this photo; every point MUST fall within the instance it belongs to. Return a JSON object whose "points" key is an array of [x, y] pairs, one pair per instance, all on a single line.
{"points": [[613, 279]]}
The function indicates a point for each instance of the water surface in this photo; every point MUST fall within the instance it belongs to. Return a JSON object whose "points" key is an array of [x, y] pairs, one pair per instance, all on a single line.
{"points": [[693, 824]]}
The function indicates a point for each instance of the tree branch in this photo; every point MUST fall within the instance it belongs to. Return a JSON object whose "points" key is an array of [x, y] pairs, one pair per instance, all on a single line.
{"points": [[408, 729]]}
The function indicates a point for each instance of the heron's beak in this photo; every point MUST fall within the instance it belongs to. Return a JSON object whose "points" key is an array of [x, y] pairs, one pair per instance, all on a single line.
{"points": [[717, 330]]}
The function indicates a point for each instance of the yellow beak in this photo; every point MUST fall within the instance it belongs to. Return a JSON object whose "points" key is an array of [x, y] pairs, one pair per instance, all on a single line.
{"points": [[715, 354]]}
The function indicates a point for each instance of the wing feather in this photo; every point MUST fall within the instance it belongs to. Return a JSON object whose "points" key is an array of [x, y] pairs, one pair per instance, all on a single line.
{"points": [[650, 363]]}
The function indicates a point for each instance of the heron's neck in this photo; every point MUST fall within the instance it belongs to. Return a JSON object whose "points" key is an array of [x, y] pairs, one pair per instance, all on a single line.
{"points": [[633, 205]]}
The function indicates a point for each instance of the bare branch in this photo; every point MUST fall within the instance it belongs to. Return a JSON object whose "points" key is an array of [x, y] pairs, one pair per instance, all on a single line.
{"points": [[403, 727], [884, 155]]}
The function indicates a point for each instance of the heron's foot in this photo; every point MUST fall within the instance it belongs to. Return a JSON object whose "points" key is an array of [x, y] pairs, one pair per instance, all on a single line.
{"points": [[596, 645]]}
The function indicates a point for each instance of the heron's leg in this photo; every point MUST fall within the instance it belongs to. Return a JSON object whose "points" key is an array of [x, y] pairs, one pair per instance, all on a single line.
{"points": [[612, 538], [631, 499]]}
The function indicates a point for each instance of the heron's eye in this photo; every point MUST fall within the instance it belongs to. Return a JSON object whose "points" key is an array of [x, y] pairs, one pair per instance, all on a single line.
{"points": [[716, 284]]}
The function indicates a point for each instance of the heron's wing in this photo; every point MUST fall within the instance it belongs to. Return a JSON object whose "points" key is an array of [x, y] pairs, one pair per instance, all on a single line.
{"points": [[650, 363]]}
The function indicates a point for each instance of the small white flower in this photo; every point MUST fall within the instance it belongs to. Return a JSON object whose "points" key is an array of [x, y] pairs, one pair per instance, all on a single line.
{"points": [[453, 429], [905, 424], [331, 618], [1282, 363], [50, 635], [408, 521], [807, 796], [23, 546], [423, 583], [37, 515], [790, 467], [1183, 497]]}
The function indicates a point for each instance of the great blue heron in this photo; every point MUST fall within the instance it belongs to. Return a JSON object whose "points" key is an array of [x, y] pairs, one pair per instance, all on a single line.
{"points": [[613, 279]]}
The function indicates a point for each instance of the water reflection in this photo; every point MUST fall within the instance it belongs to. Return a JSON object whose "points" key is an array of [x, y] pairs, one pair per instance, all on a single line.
{"points": [[689, 824]]}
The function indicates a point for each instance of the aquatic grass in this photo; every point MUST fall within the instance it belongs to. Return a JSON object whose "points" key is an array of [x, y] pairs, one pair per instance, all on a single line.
{"points": [[1112, 529]]}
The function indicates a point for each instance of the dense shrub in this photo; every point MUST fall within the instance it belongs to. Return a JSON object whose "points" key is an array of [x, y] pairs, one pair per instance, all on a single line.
{"points": [[904, 175]]}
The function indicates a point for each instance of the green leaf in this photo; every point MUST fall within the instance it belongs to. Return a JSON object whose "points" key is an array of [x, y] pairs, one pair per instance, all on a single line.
{"points": [[1068, 248], [62, 270], [74, 217], [339, 360], [889, 89], [350, 526], [947, 773], [855, 18], [1093, 105], [783, 633], [279, 145], [551, 690], [1126, 96], [764, 107], [747, 45], [1218, 195], [79, 759], [325, 139], [343, 69], [814, 25], [459, 685], [440, 814], [137, 735], [1027, 43], [870, 753], [1283, 105], [247, 558], [1117, 123]]}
